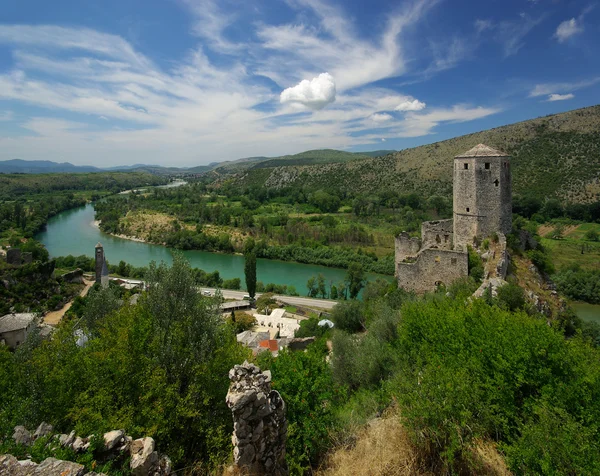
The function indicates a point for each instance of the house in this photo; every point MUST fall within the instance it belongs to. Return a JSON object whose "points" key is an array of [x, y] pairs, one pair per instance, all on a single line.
{"points": [[14, 328], [287, 327]]}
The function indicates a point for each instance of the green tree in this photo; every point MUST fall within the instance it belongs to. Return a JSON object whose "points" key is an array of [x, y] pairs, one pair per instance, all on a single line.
{"points": [[355, 279], [250, 273], [311, 284], [592, 235], [321, 285]]}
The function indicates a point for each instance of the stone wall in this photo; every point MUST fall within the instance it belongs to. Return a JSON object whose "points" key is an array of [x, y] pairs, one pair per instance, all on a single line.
{"points": [[259, 423], [406, 247], [438, 234], [432, 268]]}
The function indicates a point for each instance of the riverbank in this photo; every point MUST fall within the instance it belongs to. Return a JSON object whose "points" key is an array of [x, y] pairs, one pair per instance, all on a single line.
{"points": [[96, 223]]}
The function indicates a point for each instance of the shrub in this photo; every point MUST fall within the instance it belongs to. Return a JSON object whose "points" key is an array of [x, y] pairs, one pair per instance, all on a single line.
{"points": [[349, 316], [511, 296]]}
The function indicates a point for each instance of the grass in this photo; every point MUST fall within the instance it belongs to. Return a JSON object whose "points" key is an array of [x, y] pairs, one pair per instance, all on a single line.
{"points": [[568, 252]]}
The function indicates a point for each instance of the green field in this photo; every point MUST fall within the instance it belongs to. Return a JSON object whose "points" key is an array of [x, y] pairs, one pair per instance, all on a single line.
{"points": [[573, 249]]}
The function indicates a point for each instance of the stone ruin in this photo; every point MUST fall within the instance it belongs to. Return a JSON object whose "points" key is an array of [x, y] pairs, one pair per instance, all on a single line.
{"points": [[259, 423]]}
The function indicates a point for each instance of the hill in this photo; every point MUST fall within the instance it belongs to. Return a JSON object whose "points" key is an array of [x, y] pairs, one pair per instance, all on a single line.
{"points": [[557, 155]]}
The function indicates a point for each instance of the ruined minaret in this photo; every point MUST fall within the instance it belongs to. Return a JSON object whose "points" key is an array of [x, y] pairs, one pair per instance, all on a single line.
{"points": [[99, 262]]}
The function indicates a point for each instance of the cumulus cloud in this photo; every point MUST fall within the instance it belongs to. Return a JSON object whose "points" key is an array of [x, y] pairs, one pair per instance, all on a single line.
{"points": [[567, 29], [314, 94], [560, 97], [410, 105], [381, 117]]}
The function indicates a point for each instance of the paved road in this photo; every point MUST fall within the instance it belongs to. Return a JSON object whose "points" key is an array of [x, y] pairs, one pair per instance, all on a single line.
{"points": [[293, 300]]}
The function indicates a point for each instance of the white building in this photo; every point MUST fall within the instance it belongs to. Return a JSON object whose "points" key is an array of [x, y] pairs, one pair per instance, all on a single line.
{"points": [[14, 328], [287, 327]]}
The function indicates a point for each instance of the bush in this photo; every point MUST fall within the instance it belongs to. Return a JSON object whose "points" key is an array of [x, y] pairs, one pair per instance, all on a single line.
{"points": [[511, 296], [349, 316]]}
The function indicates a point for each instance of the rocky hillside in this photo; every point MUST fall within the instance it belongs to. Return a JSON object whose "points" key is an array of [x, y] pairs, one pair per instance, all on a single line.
{"points": [[556, 155]]}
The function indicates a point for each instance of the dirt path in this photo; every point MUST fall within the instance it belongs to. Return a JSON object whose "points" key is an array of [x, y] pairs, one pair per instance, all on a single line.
{"points": [[54, 317]]}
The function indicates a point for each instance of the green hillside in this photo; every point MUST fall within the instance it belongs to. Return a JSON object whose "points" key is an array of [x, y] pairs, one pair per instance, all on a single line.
{"points": [[556, 155]]}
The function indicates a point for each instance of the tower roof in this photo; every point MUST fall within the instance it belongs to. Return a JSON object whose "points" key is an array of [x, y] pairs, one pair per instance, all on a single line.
{"points": [[99, 245], [481, 150]]}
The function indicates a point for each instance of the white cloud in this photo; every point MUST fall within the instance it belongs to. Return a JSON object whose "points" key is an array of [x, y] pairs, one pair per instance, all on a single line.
{"points": [[419, 124], [381, 117], [410, 105], [314, 94], [382, 139], [567, 29], [203, 107], [560, 97], [545, 89], [6, 115]]}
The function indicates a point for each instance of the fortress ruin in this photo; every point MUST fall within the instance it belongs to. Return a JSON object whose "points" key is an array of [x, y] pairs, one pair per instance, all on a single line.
{"points": [[482, 206]]}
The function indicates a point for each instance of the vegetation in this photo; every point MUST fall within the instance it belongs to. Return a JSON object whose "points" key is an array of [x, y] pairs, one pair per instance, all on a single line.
{"points": [[555, 156], [291, 224], [158, 368], [250, 273]]}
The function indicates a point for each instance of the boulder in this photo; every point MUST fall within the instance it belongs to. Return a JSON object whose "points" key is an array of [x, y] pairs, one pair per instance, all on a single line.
{"points": [[143, 456], [78, 444], [67, 440], [22, 436], [113, 439], [44, 429], [57, 467]]}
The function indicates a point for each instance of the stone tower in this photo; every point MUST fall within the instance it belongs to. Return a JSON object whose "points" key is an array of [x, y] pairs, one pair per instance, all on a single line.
{"points": [[99, 262], [482, 195]]}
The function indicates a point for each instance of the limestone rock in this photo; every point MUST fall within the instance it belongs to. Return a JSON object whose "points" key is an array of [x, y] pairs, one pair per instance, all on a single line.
{"points": [[56, 467], [78, 444], [22, 436], [67, 440], [44, 429], [113, 439], [143, 456]]}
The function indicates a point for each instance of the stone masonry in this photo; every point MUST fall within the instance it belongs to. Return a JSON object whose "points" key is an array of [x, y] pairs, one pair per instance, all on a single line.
{"points": [[259, 423], [482, 206]]}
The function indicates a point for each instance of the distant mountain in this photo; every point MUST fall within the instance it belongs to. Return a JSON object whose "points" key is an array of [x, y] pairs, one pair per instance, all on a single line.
{"points": [[553, 156], [41, 166]]}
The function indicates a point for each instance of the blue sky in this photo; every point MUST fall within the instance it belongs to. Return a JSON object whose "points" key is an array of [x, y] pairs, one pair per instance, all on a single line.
{"points": [[188, 82]]}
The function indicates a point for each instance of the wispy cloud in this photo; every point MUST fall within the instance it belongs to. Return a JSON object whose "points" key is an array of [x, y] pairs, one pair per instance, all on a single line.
{"points": [[512, 33], [6, 115], [560, 97], [124, 106], [545, 89]]}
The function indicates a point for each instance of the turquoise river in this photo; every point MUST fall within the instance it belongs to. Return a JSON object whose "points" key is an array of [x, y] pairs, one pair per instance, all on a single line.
{"points": [[73, 233]]}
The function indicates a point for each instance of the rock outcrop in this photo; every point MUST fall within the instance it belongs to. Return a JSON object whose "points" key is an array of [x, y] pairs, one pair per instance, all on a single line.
{"points": [[145, 460], [259, 423]]}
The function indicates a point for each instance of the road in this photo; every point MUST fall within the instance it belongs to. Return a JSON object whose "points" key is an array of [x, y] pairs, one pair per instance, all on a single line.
{"points": [[53, 318], [292, 300]]}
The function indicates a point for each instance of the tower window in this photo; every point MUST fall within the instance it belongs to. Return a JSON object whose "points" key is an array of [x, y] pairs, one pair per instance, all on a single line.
{"points": [[496, 182], [468, 209], [466, 166], [453, 260], [487, 165]]}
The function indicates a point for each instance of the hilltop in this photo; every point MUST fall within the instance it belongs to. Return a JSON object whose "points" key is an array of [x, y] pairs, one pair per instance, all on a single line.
{"points": [[557, 155]]}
